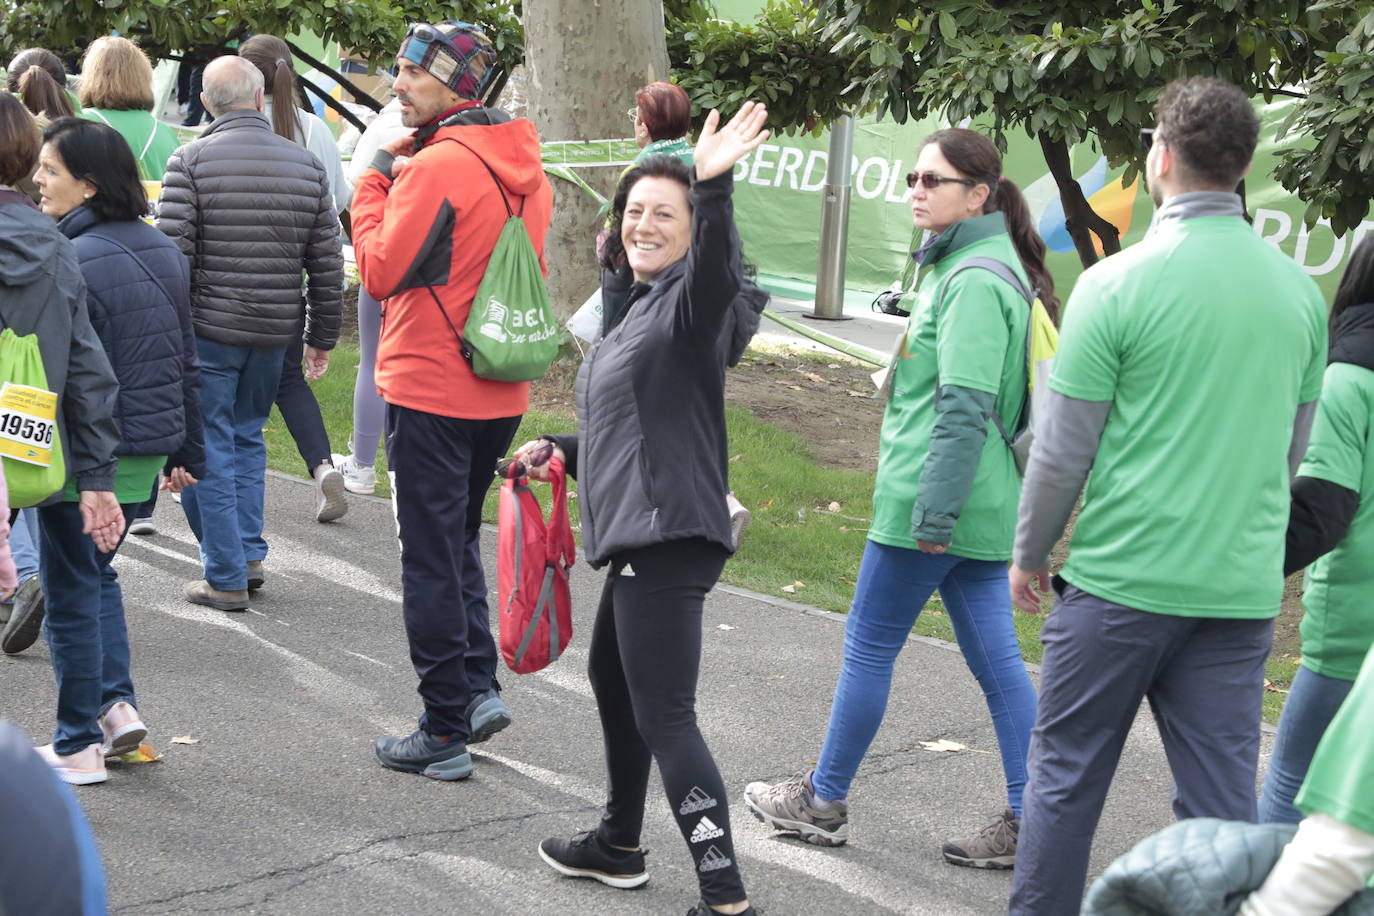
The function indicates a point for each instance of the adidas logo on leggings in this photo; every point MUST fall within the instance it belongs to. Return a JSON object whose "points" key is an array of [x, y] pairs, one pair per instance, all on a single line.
{"points": [[713, 860], [706, 830], [695, 801]]}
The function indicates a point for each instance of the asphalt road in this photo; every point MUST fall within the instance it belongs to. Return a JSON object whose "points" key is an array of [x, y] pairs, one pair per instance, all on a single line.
{"points": [[280, 806]]}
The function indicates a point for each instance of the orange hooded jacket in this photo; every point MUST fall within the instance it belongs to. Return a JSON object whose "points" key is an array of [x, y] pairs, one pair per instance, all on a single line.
{"points": [[437, 224]]}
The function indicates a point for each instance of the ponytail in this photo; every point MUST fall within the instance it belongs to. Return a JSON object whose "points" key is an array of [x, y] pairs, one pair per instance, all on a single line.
{"points": [[272, 57], [1008, 199], [41, 94]]}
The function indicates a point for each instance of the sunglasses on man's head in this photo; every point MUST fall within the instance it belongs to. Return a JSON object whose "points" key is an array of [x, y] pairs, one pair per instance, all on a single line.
{"points": [[1147, 139], [930, 180]]}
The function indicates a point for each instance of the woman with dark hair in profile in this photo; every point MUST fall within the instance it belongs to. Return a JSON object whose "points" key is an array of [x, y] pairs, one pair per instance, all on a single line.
{"points": [[946, 495], [1331, 535], [39, 80], [138, 298], [651, 463], [295, 400]]}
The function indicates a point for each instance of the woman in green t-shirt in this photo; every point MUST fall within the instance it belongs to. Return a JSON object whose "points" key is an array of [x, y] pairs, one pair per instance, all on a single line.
{"points": [[946, 493], [1331, 523], [116, 89]]}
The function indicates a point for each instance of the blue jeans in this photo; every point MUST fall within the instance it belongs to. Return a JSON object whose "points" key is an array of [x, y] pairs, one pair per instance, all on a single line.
{"points": [[24, 543], [894, 585], [83, 625], [1312, 704], [225, 509]]}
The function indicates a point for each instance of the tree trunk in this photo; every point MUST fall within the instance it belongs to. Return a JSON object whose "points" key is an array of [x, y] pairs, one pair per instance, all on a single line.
{"points": [[1080, 218], [584, 62]]}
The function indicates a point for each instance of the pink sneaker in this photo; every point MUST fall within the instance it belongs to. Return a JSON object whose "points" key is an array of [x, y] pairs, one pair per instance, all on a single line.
{"points": [[83, 768], [123, 729]]}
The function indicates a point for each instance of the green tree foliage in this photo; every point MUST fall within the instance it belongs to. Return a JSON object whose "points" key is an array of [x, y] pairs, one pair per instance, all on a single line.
{"points": [[1332, 172], [782, 59], [1066, 72]]}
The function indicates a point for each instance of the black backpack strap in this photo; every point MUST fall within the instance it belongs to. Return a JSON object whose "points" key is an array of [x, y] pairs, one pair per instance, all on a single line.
{"points": [[499, 186], [171, 300]]}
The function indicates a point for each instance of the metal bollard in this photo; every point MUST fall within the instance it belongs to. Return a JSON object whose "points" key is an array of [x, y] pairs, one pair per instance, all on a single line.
{"points": [[834, 223]]}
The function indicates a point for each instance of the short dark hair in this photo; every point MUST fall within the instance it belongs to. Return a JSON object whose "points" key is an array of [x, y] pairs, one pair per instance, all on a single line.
{"points": [[18, 140], [1210, 125], [670, 167], [100, 154], [664, 110]]}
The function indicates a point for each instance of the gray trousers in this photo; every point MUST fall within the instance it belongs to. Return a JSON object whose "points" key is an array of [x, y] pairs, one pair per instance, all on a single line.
{"points": [[1204, 678]]}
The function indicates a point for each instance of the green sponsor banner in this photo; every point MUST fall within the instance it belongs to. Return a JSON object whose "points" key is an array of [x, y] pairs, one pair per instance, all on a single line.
{"points": [[779, 189], [589, 153]]}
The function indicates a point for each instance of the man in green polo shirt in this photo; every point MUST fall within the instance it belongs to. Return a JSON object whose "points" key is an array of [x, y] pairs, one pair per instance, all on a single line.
{"points": [[1185, 380]]}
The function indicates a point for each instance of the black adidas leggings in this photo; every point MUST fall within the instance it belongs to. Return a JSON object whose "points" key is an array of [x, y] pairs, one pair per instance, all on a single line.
{"points": [[644, 658]]}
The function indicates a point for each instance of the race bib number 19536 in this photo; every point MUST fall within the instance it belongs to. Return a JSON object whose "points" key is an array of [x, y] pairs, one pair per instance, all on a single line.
{"points": [[28, 423]]}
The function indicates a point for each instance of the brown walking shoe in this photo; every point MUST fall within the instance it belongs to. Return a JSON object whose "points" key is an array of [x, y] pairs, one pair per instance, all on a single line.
{"points": [[992, 846], [202, 592]]}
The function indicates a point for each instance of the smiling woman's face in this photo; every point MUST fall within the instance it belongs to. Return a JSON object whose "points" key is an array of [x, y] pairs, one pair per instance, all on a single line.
{"points": [[656, 228], [62, 191]]}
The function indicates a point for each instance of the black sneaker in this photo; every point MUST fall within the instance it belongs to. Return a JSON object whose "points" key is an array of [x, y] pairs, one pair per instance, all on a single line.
{"points": [[26, 619], [423, 753], [703, 909], [585, 856]]}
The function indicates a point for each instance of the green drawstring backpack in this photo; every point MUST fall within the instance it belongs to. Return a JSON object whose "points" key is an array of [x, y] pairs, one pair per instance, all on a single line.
{"points": [[32, 455], [511, 334]]}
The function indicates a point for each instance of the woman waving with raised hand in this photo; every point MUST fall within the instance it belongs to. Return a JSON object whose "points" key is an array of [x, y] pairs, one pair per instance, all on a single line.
{"points": [[651, 439]]}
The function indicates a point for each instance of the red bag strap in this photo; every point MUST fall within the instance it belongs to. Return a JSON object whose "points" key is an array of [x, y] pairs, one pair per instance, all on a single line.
{"points": [[560, 539]]}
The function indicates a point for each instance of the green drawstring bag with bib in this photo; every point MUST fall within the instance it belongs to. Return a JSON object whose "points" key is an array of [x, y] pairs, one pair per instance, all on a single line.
{"points": [[29, 446]]}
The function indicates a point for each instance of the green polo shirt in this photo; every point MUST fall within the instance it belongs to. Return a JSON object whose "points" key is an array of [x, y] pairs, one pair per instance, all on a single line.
{"points": [[1338, 626], [979, 343], [1205, 339]]}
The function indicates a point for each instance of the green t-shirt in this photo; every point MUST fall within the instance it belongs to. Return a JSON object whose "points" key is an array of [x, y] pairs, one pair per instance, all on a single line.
{"points": [[1338, 626], [133, 479], [1205, 339], [1340, 781], [981, 344], [152, 141]]}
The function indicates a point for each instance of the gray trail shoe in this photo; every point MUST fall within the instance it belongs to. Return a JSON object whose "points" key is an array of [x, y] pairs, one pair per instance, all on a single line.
{"points": [[791, 806], [26, 617], [992, 846]]}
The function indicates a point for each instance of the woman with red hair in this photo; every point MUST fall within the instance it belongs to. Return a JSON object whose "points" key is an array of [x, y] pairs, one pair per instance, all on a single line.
{"points": [[662, 117]]}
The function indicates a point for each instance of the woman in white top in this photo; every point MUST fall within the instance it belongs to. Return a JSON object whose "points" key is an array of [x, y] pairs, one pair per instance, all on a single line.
{"points": [[295, 400]]}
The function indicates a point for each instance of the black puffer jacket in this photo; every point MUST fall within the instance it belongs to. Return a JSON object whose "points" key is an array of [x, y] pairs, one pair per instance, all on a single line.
{"points": [[142, 315], [650, 452], [252, 210]]}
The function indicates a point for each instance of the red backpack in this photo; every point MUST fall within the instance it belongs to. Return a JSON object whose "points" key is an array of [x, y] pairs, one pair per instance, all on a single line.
{"points": [[532, 563]]}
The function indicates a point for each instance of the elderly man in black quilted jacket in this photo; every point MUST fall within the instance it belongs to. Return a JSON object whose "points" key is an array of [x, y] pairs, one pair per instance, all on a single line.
{"points": [[251, 211]]}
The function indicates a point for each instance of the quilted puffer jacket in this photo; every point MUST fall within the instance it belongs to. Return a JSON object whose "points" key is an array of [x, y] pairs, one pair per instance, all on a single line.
{"points": [[252, 210], [1197, 867], [138, 302]]}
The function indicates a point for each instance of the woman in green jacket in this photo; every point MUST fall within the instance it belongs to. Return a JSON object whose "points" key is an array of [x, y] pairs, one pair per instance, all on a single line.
{"points": [[946, 494], [116, 89]]}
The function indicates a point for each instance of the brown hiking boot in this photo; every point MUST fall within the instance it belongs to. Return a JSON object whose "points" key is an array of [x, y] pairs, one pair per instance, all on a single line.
{"points": [[202, 592], [993, 846]]}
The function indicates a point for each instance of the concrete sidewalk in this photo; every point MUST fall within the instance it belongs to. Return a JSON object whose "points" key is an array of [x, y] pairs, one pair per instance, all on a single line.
{"points": [[279, 806]]}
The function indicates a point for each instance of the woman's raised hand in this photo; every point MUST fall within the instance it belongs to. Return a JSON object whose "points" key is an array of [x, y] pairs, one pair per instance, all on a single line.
{"points": [[719, 148]]}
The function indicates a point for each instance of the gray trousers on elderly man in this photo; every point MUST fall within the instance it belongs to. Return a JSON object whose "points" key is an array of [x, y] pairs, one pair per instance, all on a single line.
{"points": [[1204, 678]]}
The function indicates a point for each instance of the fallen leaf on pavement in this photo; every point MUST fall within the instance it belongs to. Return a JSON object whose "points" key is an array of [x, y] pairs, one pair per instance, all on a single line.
{"points": [[856, 394], [773, 363], [943, 745], [795, 387], [185, 739], [144, 753], [813, 377], [834, 366], [725, 626]]}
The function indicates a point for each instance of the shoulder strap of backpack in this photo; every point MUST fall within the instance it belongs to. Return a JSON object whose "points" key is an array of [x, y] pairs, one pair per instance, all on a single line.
{"points": [[499, 186], [1006, 273], [171, 300]]}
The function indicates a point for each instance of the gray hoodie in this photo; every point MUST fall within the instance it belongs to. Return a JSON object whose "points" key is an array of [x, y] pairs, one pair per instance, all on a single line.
{"points": [[42, 292]]}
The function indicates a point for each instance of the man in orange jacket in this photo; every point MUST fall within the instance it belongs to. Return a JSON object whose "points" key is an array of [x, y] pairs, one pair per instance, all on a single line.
{"points": [[426, 216]]}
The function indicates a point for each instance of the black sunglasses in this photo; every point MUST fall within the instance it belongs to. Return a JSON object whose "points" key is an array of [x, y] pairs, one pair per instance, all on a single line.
{"points": [[423, 31], [1147, 139], [930, 181]]}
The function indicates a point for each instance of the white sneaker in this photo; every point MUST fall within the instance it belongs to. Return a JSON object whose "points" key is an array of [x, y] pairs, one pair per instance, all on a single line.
{"points": [[739, 517], [357, 479], [142, 526], [85, 767], [329, 495]]}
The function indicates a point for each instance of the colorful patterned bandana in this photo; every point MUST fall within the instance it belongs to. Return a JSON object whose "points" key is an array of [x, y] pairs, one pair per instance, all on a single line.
{"points": [[444, 50]]}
